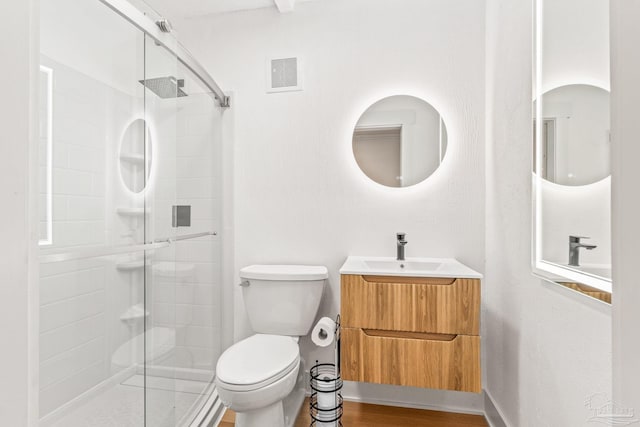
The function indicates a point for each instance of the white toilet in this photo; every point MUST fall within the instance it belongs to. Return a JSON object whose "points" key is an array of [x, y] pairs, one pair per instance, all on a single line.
{"points": [[255, 375]]}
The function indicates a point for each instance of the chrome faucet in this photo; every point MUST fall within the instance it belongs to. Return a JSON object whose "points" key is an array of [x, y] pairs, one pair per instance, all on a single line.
{"points": [[574, 249], [401, 243]]}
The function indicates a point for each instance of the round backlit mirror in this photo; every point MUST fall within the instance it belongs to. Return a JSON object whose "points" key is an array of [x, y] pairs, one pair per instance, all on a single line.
{"points": [[135, 156], [574, 142], [399, 141]]}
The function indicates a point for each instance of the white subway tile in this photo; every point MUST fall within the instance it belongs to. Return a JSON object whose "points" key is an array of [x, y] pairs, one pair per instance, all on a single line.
{"points": [[60, 340], [71, 284], [71, 310], [196, 250], [197, 188], [65, 365], [194, 166], [60, 393], [78, 233], [85, 208], [83, 158], [196, 336], [71, 182]]}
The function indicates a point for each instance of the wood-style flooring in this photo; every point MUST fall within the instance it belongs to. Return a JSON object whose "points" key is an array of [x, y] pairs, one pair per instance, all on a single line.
{"points": [[366, 415]]}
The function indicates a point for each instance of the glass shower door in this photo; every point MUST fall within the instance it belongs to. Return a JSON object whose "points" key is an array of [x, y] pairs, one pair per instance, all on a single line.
{"points": [[130, 197], [92, 244], [160, 96], [182, 204]]}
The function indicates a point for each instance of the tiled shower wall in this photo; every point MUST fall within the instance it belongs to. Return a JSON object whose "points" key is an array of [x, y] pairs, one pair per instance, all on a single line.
{"points": [[190, 300], [81, 301]]}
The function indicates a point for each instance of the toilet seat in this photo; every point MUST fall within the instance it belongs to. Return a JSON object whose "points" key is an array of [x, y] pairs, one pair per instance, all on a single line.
{"points": [[257, 361]]}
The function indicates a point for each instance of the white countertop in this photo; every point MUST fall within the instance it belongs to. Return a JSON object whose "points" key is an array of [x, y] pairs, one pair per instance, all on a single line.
{"points": [[411, 267]]}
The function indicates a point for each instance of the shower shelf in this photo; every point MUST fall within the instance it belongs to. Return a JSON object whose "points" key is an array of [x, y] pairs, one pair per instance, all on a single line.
{"points": [[135, 312], [131, 211], [130, 265], [135, 159]]}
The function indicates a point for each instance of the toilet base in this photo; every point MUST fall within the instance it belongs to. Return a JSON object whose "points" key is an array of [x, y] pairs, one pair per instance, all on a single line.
{"points": [[272, 416]]}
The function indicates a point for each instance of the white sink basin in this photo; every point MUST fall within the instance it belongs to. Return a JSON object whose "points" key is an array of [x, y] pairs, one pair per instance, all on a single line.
{"points": [[415, 267], [394, 265]]}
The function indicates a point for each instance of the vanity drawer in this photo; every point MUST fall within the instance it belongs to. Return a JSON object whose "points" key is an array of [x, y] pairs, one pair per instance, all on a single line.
{"points": [[413, 304], [450, 362]]}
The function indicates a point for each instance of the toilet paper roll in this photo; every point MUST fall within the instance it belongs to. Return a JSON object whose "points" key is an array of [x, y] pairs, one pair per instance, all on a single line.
{"points": [[323, 333]]}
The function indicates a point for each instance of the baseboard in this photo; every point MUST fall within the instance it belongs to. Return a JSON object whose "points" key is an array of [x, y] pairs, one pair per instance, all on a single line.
{"points": [[473, 406], [492, 414]]}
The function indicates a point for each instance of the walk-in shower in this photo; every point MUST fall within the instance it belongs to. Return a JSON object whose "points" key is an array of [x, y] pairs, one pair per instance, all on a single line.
{"points": [[130, 296]]}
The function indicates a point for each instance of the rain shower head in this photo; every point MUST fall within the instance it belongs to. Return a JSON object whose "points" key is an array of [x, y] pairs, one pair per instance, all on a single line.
{"points": [[165, 87]]}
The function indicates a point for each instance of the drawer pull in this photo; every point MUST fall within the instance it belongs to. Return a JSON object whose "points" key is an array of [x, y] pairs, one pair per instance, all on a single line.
{"points": [[409, 335], [437, 281]]}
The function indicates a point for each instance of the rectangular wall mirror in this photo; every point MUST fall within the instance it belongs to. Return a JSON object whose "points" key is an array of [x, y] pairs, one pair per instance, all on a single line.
{"points": [[571, 146]]}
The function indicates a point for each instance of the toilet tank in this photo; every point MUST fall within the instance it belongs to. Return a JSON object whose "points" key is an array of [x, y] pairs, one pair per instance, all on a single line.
{"points": [[282, 299]]}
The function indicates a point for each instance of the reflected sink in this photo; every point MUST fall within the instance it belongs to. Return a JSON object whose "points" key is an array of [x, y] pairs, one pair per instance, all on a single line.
{"points": [[595, 270], [415, 267]]}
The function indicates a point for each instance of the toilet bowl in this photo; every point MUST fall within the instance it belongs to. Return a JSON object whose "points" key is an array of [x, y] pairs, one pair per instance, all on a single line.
{"points": [[255, 375]]}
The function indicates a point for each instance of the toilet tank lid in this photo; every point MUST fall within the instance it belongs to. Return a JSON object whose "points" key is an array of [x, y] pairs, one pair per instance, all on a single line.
{"points": [[284, 272]]}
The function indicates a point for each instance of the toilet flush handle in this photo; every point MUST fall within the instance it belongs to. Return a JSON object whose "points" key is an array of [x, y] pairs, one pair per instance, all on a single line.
{"points": [[244, 283]]}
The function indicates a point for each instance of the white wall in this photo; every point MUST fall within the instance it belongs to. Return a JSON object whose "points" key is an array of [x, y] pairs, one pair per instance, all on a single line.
{"points": [[299, 196], [626, 207], [18, 294], [548, 349]]}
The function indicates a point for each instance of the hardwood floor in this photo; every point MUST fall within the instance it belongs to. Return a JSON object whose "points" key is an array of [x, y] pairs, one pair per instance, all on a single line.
{"points": [[366, 415]]}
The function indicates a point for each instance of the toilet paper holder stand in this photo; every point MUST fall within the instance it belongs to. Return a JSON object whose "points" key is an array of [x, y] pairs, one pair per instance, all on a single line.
{"points": [[325, 403]]}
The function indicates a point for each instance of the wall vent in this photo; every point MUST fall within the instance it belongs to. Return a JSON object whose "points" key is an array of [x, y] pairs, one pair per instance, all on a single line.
{"points": [[284, 74]]}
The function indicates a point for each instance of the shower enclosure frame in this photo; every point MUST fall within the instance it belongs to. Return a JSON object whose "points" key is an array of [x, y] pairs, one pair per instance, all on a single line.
{"points": [[141, 21]]}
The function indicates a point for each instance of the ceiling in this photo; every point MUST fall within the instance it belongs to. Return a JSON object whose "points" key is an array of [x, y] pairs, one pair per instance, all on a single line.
{"points": [[182, 9]]}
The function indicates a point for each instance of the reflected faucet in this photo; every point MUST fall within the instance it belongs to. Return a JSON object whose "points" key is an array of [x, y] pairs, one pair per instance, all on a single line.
{"points": [[574, 249], [401, 243]]}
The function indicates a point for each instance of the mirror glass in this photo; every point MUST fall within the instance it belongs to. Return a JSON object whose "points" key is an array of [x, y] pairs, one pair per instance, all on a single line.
{"points": [[135, 156], [399, 141], [571, 182], [575, 135]]}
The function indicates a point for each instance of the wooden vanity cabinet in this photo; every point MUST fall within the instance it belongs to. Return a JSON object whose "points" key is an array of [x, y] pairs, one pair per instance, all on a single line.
{"points": [[412, 331]]}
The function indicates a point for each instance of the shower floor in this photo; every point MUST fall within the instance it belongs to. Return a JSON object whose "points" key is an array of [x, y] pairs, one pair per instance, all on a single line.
{"points": [[168, 400]]}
